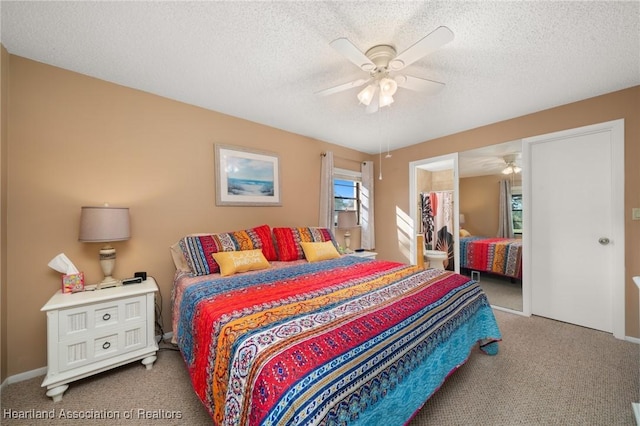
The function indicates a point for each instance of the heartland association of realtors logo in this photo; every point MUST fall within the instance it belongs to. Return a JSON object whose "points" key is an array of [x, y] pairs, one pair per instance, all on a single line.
{"points": [[133, 414]]}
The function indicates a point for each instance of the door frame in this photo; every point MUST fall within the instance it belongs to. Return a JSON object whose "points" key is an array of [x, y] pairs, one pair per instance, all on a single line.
{"points": [[451, 162], [616, 128]]}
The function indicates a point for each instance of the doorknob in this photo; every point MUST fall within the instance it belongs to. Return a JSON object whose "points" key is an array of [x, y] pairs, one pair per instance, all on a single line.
{"points": [[604, 241]]}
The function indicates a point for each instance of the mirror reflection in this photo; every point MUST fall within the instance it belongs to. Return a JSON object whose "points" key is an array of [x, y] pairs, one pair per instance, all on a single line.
{"points": [[490, 234]]}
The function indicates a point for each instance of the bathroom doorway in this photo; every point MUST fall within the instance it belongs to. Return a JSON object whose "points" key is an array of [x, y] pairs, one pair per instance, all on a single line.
{"points": [[433, 174]]}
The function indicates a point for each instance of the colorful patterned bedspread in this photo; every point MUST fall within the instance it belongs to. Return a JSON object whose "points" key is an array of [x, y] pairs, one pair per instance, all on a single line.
{"points": [[332, 342], [496, 255]]}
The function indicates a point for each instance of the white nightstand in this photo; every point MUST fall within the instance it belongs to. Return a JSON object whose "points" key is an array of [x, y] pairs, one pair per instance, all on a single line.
{"points": [[367, 254], [94, 331]]}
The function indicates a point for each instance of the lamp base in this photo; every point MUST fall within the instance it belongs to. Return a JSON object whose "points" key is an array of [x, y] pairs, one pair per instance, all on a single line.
{"points": [[108, 263], [347, 242], [108, 282]]}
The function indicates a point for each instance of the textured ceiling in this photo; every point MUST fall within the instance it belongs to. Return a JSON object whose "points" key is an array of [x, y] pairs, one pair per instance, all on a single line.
{"points": [[263, 61]]}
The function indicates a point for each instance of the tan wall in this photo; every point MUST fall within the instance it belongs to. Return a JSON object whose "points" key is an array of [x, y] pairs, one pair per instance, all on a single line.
{"points": [[392, 203], [423, 180], [479, 200], [427, 181], [77, 141], [442, 181], [4, 96]]}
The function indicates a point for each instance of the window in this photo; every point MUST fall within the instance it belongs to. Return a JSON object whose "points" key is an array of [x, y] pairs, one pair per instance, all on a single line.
{"points": [[516, 213], [346, 192]]}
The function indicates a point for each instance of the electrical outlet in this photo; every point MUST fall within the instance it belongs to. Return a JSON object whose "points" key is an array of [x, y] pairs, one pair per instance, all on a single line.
{"points": [[635, 213]]}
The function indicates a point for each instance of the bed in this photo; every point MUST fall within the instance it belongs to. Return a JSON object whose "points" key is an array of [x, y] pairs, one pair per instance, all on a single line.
{"points": [[335, 340], [501, 256]]}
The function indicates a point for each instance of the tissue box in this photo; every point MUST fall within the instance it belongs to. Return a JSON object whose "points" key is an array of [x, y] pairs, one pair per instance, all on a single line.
{"points": [[73, 283]]}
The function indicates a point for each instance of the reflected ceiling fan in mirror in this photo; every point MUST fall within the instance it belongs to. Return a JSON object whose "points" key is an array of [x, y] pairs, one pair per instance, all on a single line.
{"points": [[382, 64], [511, 167]]}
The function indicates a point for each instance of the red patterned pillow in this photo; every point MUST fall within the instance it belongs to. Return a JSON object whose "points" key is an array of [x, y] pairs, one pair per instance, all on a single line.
{"points": [[288, 241], [198, 249]]}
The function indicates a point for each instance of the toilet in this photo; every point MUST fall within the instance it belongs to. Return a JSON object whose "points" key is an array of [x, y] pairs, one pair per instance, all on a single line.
{"points": [[436, 258]]}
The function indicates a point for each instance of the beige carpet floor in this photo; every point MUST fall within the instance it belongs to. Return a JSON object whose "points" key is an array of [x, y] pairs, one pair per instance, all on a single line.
{"points": [[502, 292], [547, 373]]}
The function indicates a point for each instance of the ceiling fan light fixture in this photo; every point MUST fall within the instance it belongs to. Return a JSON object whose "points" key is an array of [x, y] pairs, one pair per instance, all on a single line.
{"points": [[366, 95], [379, 60], [511, 169], [385, 100], [388, 86]]}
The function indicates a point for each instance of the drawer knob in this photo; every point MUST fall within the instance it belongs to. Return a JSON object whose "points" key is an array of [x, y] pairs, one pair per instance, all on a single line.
{"points": [[106, 345], [106, 317]]}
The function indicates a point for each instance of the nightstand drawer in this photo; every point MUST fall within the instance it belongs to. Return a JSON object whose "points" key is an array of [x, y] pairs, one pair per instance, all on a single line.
{"points": [[78, 352], [76, 322]]}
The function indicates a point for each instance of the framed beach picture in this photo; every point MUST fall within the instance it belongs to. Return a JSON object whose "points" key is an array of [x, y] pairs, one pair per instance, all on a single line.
{"points": [[246, 177]]}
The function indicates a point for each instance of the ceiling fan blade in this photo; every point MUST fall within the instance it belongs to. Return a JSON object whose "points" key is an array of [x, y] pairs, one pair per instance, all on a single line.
{"points": [[419, 84], [349, 51], [342, 87], [431, 42]]}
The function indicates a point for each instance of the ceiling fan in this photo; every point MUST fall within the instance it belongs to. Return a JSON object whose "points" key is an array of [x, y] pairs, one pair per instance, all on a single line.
{"points": [[381, 62], [511, 167]]}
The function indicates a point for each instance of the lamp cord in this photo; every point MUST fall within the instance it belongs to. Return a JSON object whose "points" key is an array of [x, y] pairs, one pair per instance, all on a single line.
{"points": [[159, 327]]}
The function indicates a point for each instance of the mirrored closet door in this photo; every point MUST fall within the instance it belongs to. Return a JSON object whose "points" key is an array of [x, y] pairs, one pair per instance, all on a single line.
{"points": [[490, 234]]}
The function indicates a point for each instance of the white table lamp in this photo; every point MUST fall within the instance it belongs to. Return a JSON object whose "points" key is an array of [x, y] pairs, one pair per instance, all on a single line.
{"points": [[347, 219], [105, 225]]}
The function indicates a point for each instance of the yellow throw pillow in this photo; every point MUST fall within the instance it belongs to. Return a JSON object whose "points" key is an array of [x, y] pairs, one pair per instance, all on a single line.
{"points": [[232, 262], [315, 252], [464, 233]]}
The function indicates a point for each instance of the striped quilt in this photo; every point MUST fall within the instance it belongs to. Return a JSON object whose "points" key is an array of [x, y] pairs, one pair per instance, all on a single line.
{"points": [[496, 255], [327, 343]]}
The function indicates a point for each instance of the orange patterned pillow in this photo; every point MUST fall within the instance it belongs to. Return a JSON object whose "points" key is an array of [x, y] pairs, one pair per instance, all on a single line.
{"points": [[288, 241], [197, 249]]}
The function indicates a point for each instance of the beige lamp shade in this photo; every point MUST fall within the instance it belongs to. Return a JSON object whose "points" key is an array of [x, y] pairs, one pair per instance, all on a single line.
{"points": [[347, 219], [104, 224]]}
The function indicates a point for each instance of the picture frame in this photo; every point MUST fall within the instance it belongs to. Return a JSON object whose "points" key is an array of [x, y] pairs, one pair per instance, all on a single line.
{"points": [[246, 177]]}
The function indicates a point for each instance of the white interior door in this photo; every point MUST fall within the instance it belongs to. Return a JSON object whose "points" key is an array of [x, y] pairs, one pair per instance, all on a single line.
{"points": [[576, 220]]}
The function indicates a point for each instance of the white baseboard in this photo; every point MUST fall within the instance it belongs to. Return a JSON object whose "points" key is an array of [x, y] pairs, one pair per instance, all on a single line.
{"points": [[20, 377], [632, 340], [511, 311]]}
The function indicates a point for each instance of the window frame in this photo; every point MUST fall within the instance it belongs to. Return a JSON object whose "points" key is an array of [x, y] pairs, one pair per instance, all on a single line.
{"points": [[516, 191], [349, 176]]}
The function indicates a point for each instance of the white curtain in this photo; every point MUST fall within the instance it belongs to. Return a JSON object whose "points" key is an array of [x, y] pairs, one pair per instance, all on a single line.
{"points": [[367, 233], [326, 191], [505, 224]]}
